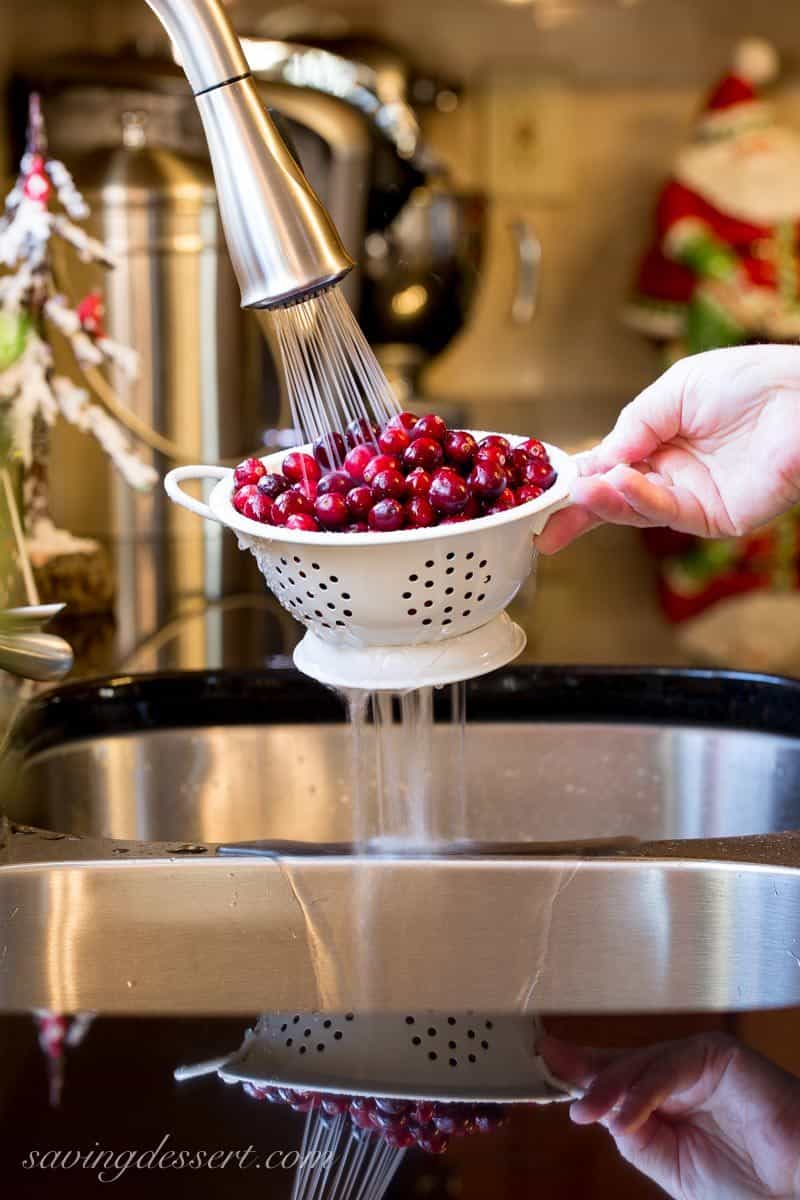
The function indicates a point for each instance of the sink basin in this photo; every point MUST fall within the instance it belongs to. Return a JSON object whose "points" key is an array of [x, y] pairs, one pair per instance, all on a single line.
{"points": [[631, 846]]}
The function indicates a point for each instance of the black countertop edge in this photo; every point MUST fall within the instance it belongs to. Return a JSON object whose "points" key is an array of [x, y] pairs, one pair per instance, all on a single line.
{"points": [[280, 695]]}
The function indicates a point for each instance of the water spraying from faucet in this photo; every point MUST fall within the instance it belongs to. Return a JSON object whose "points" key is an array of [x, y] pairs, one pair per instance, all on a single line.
{"points": [[283, 245]]}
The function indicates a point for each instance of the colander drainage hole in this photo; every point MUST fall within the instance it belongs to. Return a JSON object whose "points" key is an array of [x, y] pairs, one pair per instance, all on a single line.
{"points": [[484, 1045], [482, 564], [320, 1048], [306, 1033], [432, 1032], [489, 1025], [470, 555], [471, 1033], [295, 1020], [413, 578], [327, 1024], [349, 1017], [429, 563], [407, 595], [409, 1020], [416, 1041], [472, 1058], [453, 1062], [427, 621], [433, 1056], [451, 554], [302, 1049]]}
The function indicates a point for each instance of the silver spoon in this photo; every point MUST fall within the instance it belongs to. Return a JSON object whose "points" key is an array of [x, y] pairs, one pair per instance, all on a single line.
{"points": [[39, 656]]}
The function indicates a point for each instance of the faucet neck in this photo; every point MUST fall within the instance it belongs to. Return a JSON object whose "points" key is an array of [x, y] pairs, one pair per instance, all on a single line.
{"points": [[210, 52]]}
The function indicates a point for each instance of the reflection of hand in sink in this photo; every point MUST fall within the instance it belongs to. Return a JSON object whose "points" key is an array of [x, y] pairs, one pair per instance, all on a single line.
{"points": [[703, 1116]]}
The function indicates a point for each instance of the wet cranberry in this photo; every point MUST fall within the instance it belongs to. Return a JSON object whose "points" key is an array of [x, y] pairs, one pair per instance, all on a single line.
{"points": [[362, 431], [307, 488], [394, 440], [418, 482], [378, 463], [429, 426], [528, 491], [334, 481], [356, 527], [303, 522], [460, 447], [291, 504], [357, 460], [424, 453], [541, 473], [273, 485], [386, 516], [258, 508], [241, 497], [249, 471], [534, 448], [389, 485], [515, 467], [433, 1143], [329, 451], [487, 480], [473, 509], [495, 441], [503, 503], [419, 512], [360, 500], [298, 467], [448, 492], [405, 420], [331, 510]]}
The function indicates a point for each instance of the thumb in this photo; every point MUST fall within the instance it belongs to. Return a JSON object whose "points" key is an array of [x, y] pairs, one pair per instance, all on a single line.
{"points": [[649, 421]]}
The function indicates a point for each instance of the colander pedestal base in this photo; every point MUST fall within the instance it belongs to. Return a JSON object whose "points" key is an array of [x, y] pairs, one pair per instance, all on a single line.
{"points": [[402, 668]]}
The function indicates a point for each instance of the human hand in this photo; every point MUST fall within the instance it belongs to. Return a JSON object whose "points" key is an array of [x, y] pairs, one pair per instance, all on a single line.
{"points": [[712, 448], [705, 1118]]}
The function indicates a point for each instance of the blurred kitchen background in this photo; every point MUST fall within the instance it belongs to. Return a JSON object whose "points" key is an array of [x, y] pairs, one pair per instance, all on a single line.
{"points": [[493, 165]]}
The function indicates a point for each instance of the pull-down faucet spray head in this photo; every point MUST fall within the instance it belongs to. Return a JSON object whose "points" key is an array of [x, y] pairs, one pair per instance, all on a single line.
{"points": [[283, 245]]}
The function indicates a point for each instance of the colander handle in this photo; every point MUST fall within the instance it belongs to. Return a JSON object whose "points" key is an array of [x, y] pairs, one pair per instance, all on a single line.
{"points": [[174, 479]]}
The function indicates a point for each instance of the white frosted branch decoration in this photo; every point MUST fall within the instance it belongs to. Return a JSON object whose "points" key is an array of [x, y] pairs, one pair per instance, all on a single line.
{"points": [[24, 236], [121, 356], [66, 190], [77, 408], [87, 248], [26, 386]]}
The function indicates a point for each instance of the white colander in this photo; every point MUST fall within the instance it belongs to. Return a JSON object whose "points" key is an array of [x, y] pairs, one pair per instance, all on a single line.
{"points": [[393, 611], [439, 1057]]}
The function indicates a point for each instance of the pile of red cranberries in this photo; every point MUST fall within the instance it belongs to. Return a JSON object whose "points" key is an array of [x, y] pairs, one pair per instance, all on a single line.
{"points": [[401, 1123], [413, 474]]}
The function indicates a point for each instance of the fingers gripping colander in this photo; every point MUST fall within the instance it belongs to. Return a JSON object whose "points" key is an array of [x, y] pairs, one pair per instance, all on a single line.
{"points": [[393, 611], [438, 1057]]}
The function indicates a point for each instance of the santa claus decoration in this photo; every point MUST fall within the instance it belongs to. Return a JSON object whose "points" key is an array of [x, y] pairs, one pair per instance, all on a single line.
{"points": [[723, 269]]}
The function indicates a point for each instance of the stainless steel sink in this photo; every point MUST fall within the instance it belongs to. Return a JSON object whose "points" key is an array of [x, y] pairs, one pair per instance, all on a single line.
{"points": [[631, 847]]}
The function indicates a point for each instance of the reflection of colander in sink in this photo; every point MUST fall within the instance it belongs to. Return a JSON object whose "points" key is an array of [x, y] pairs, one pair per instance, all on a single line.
{"points": [[440, 1057], [394, 610]]}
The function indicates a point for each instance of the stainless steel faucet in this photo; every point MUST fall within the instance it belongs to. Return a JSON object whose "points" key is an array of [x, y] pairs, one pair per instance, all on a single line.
{"points": [[283, 245]]}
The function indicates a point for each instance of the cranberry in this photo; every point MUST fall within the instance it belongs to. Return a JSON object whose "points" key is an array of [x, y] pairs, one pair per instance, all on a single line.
{"points": [[298, 466], [433, 1143], [378, 463], [534, 449], [425, 453], [360, 500], [334, 481], [400, 1139], [423, 1113], [429, 426], [418, 483], [473, 509], [331, 510], [241, 497], [487, 1121], [460, 447], [249, 471], [307, 488], [448, 493], [356, 527], [394, 440], [487, 480], [515, 467], [329, 450], [452, 1123], [419, 512], [491, 457], [404, 420], [357, 460], [389, 484], [386, 516], [528, 491], [290, 504], [503, 503], [254, 1092], [302, 521], [495, 441], [273, 485], [541, 473], [360, 431], [258, 508]]}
